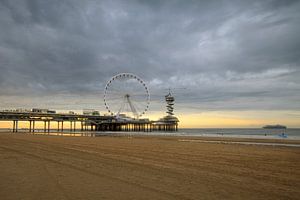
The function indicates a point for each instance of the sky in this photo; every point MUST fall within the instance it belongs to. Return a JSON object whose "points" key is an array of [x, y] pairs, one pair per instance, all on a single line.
{"points": [[229, 63]]}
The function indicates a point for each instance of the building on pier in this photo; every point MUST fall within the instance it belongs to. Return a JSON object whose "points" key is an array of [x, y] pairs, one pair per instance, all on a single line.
{"points": [[40, 110]]}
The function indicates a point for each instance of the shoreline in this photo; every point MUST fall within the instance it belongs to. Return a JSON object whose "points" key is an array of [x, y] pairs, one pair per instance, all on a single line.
{"points": [[290, 134], [233, 139], [246, 133]]}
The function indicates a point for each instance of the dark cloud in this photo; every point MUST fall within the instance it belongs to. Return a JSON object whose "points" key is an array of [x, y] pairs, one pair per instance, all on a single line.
{"points": [[233, 55]]}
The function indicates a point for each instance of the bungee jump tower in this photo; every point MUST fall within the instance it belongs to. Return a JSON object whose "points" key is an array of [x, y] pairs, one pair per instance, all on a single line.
{"points": [[168, 122]]}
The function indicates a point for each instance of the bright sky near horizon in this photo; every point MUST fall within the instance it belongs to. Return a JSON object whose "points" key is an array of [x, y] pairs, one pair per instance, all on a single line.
{"points": [[238, 60]]}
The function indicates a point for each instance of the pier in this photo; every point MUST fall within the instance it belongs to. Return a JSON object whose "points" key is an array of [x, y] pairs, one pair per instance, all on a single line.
{"points": [[57, 122], [116, 102]]}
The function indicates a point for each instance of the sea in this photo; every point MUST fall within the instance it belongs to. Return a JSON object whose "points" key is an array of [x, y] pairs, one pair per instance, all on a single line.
{"points": [[291, 133], [259, 133]]}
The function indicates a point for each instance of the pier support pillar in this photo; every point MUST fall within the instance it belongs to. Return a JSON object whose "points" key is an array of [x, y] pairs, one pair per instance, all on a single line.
{"points": [[30, 123], [45, 122], [14, 125], [33, 126]]}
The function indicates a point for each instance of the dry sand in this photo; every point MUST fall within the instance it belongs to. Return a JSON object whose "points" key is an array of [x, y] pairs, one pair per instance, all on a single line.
{"points": [[56, 167]]}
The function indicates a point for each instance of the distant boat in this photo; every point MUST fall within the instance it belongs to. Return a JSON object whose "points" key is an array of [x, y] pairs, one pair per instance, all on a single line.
{"points": [[274, 127]]}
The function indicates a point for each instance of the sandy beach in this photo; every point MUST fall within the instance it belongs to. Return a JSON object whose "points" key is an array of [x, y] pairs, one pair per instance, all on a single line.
{"points": [[145, 167]]}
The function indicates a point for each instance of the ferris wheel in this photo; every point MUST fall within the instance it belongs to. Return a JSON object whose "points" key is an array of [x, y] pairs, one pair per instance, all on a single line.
{"points": [[127, 94]]}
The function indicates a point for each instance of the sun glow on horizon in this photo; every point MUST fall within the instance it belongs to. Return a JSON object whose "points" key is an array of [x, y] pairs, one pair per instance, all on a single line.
{"points": [[237, 119]]}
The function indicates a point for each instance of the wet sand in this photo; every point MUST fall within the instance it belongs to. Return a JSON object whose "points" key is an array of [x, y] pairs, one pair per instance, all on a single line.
{"points": [[145, 167]]}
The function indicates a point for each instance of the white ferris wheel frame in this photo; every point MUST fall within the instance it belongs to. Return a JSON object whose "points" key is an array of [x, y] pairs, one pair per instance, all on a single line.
{"points": [[132, 76]]}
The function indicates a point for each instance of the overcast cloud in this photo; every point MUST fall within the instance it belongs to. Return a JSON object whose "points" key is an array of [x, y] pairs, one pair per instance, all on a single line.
{"points": [[230, 55]]}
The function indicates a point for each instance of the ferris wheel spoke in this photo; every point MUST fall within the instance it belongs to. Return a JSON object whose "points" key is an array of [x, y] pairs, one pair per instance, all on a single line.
{"points": [[113, 98], [113, 103], [143, 101], [116, 86], [126, 108], [139, 95], [139, 106], [114, 95], [119, 111], [139, 98], [115, 90]]}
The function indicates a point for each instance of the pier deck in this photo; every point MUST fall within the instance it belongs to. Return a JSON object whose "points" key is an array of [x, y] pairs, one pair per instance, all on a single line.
{"points": [[87, 122]]}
